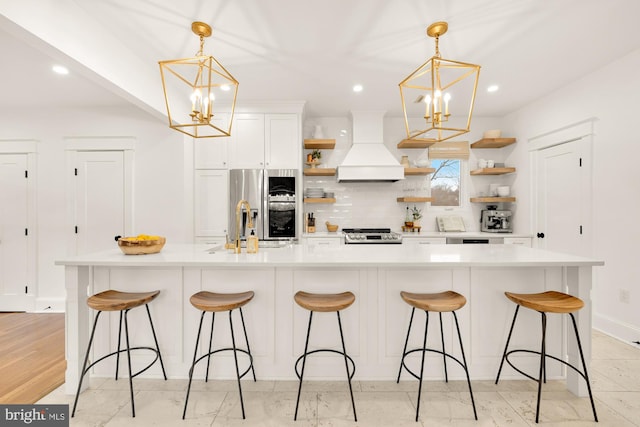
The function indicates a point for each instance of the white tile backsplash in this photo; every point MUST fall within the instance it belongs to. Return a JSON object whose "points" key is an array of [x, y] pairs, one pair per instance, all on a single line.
{"points": [[373, 204]]}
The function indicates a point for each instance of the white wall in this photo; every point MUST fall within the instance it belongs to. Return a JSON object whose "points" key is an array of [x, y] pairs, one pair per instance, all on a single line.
{"points": [[611, 96], [158, 178]]}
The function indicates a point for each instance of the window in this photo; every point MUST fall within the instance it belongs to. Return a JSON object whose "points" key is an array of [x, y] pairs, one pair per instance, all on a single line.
{"points": [[446, 182]]}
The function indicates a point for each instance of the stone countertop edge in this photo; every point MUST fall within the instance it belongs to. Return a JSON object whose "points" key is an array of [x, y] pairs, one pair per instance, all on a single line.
{"points": [[387, 256]]}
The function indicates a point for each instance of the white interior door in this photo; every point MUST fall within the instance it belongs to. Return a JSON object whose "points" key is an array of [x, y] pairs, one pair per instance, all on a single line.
{"points": [[563, 197], [15, 294], [99, 199]]}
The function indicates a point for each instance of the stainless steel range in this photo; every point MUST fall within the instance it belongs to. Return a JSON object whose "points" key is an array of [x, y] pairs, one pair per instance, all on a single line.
{"points": [[360, 236]]}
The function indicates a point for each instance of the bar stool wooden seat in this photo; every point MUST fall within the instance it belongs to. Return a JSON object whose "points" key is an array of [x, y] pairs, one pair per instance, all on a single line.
{"points": [[441, 302], [325, 303], [546, 302], [113, 300], [213, 303]]}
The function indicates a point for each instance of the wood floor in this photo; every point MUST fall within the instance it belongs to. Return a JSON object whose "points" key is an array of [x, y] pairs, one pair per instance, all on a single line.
{"points": [[32, 360]]}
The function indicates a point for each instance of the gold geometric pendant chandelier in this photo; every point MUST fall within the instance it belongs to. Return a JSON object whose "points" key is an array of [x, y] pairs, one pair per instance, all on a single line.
{"points": [[438, 97], [199, 92]]}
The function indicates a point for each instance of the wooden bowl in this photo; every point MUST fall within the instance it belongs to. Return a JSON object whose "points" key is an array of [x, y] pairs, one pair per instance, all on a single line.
{"points": [[141, 247], [332, 227]]}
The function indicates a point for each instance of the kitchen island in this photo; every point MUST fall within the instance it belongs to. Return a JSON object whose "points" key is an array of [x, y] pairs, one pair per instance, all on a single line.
{"points": [[375, 325]]}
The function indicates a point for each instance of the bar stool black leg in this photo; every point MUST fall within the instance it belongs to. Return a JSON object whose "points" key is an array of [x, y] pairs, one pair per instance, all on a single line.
{"points": [[304, 360], [405, 344], [119, 341], [155, 339], [506, 346], [213, 318], [235, 357], [193, 364], [424, 346], [444, 356], [246, 340], [466, 368], [126, 335], [346, 365], [84, 365], [542, 364], [584, 366]]}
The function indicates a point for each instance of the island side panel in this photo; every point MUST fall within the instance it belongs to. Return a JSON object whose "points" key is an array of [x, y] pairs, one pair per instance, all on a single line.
{"points": [[579, 284], [77, 321]]}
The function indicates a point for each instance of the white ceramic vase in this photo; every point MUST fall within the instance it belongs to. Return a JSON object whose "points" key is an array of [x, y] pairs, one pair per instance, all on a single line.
{"points": [[317, 133]]}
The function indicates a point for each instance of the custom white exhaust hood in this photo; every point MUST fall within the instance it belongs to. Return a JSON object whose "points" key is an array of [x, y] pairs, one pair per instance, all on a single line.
{"points": [[369, 159]]}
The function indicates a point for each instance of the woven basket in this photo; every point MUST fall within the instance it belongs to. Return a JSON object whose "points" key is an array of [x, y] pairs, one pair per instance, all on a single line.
{"points": [[141, 247]]}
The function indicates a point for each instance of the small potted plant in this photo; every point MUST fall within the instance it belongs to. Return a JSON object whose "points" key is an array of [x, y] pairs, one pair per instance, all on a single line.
{"points": [[316, 155], [416, 215]]}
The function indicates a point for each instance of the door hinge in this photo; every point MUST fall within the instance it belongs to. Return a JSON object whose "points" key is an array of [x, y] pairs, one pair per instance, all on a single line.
{"points": [[76, 229], [26, 231], [26, 289], [26, 174], [75, 171], [580, 229], [580, 162]]}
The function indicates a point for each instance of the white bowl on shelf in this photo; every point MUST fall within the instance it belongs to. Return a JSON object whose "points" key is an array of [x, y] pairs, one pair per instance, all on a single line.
{"points": [[422, 163], [503, 191]]}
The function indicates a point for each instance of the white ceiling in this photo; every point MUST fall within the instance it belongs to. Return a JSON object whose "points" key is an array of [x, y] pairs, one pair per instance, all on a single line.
{"points": [[315, 51]]}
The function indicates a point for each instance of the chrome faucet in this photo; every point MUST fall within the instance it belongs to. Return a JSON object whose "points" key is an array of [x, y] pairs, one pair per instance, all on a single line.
{"points": [[238, 248]]}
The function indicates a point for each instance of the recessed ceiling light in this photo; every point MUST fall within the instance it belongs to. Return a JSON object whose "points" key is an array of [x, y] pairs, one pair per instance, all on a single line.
{"points": [[59, 69], [357, 88], [493, 88]]}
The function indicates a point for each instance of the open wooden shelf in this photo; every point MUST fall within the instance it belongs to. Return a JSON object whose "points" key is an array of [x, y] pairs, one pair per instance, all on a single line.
{"points": [[319, 199], [493, 142], [492, 199], [326, 144], [319, 172], [492, 171], [418, 171], [415, 143], [414, 199]]}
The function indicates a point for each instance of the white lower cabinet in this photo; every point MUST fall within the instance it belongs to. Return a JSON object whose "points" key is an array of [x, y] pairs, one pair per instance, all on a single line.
{"points": [[522, 241], [322, 241], [211, 201], [424, 240]]}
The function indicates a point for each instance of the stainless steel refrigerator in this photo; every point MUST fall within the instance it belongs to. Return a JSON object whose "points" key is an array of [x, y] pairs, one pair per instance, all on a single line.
{"points": [[272, 195]]}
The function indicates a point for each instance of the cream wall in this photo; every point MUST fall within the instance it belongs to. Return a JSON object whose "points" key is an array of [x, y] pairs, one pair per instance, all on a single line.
{"points": [[158, 185], [611, 96]]}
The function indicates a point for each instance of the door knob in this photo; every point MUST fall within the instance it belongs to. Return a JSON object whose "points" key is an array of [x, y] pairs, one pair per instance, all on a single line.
{"points": [[540, 235]]}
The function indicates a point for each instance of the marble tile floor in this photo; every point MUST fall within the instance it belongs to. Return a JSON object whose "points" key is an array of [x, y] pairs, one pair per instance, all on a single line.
{"points": [[615, 372]]}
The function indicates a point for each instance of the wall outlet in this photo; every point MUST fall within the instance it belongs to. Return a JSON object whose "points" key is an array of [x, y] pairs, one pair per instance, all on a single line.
{"points": [[625, 296]]}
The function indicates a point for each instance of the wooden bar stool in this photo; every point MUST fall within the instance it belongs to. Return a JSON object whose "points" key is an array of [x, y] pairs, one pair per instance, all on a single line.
{"points": [[113, 300], [216, 302], [325, 303], [447, 301], [547, 302]]}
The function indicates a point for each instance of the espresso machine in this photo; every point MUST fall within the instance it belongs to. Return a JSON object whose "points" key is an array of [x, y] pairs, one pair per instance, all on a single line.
{"points": [[493, 220]]}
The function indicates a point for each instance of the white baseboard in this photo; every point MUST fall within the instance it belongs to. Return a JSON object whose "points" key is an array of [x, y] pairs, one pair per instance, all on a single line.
{"points": [[50, 305], [622, 331]]}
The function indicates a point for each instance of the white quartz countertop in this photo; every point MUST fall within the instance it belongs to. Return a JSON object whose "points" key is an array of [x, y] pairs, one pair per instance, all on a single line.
{"points": [[198, 255], [464, 234]]}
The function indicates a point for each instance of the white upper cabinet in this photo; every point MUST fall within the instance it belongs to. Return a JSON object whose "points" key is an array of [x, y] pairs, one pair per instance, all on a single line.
{"points": [[211, 153], [282, 142], [247, 146], [265, 141]]}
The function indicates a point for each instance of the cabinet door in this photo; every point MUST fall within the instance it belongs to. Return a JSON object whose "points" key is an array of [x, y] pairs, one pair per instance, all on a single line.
{"points": [[211, 202], [522, 241], [211, 153], [247, 147], [282, 142], [424, 241]]}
